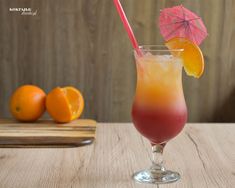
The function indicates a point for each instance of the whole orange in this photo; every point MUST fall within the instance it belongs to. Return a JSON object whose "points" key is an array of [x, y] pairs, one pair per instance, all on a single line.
{"points": [[28, 103]]}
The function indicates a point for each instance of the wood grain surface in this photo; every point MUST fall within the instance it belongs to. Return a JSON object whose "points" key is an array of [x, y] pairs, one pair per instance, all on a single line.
{"points": [[46, 133], [203, 154], [83, 43]]}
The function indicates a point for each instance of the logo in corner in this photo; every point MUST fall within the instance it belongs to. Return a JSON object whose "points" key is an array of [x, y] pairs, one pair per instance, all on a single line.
{"points": [[24, 11]]}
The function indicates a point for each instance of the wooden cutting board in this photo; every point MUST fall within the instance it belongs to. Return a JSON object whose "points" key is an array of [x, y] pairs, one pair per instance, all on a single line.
{"points": [[46, 133]]}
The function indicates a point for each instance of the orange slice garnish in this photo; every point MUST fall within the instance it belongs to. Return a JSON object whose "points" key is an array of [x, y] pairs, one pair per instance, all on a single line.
{"points": [[192, 56], [65, 104]]}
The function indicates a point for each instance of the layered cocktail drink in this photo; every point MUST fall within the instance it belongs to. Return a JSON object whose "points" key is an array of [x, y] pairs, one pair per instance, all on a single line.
{"points": [[159, 111]]}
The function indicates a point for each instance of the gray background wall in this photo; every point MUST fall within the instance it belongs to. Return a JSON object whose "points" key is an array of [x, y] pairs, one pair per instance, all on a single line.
{"points": [[83, 43]]}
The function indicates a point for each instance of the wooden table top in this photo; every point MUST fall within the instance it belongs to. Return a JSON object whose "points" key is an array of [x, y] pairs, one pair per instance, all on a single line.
{"points": [[204, 154]]}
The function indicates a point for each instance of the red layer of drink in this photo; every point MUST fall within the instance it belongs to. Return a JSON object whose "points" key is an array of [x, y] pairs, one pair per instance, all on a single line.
{"points": [[159, 125]]}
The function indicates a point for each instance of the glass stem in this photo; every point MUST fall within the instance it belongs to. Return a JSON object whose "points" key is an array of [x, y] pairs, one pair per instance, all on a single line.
{"points": [[157, 157]]}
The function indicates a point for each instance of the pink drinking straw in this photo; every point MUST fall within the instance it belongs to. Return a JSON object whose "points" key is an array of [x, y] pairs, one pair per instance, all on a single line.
{"points": [[127, 26]]}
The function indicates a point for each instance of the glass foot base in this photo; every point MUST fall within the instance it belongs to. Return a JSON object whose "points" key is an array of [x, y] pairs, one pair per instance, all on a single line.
{"points": [[156, 177]]}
